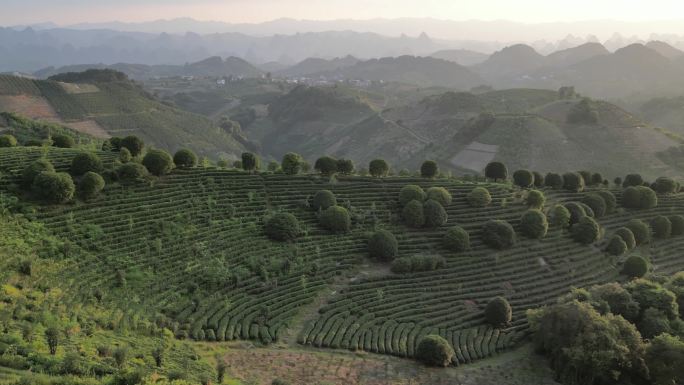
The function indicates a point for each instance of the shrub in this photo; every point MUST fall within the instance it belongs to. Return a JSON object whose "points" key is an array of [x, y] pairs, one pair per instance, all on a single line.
{"points": [[433, 350], [533, 224], [158, 162], [662, 227], [535, 199], [435, 215], [429, 169], [30, 172], [8, 141], [576, 211], [185, 158], [323, 199], [523, 178], [411, 192], [538, 179], [292, 163], [479, 197], [498, 234], [85, 162], [609, 200], [457, 239], [63, 141], [282, 227], [639, 197], [378, 168], [627, 236], [413, 214], [665, 185], [560, 216], [439, 194], [596, 203], [336, 219], [131, 172], [677, 222], [635, 267], [54, 187], [272, 166], [498, 312], [383, 246], [616, 246], [496, 171], [91, 185], [641, 231], [573, 181], [250, 162], [134, 144], [345, 166], [554, 180], [586, 231], [125, 155], [633, 180]]}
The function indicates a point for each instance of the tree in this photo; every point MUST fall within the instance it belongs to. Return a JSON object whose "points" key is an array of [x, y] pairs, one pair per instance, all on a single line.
{"points": [[131, 172], [326, 165], [662, 227], [652, 323], [378, 168], [433, 350], [125, 155], [52, 337], [664, 357], [640, 230], [439, 194], [627, 236], [584, 112], [8, 141], [498, 234], [609, 200], [576, 211], [112, 144], [639, 197], [323, 199], [30, 172], [411, 192], [596, 179], [617, 181], [618, 299], [429, 169], [383, 246], [221, 367], [523, 178], [616, 246], [91, 185], [538, 179], [413, 214], [63, 141], [336, 219], [586, 231], [633, 180], [677, 222], [134, 144], [84, 162], [496, 171], [635, 267], [185, 158], [586, 177], [498, 312], [54, 187], [573, 181], [533, 224], [158, 162], [272, 166], [652, 295], [665, 185], [435, 215], [457, 239], [596, 203], [250, 162], [345, 166], [560, 217], [291, 163], [554, 180], [479, 197], [535, 199], [282, 227]]}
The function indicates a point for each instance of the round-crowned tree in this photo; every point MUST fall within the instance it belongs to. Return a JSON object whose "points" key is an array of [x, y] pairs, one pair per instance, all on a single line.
{"points": [[433, 350], [627, 236], [523, 178], [587, 210], [639, 197], [8, 140], [677, 222], [586, 177], [559, 217], [134, 144], [662, 227], [429, 169], [496, 171], [30, 172], [383, 246], [616, 246], [158, 162], [90, 185], [282, 227], [411, 192], [479, 197], [323, 199], [635, 267], [641, 231], [633, 180], [576, 211], [535, 199], [609, 199], [63, 141], [435, 215], [326, 165], [250, 162], [54, 187], [131, 172], [457, 239], [378, 168], [648, 198], [292, 163], [586, 231], [596, 203], [84, 162], [617, 181], [439, 194], [336, 219], [125, 155], [573, 181], [596, 179], [498, 234], [498, 312], [413, 214], [533, 224], [554, 180], [665, 185], [185, 158], [345, 166], [538, 179], [272, 166]]}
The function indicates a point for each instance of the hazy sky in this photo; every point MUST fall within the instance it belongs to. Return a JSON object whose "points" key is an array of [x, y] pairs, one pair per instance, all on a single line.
{"points": [[532, 11]]}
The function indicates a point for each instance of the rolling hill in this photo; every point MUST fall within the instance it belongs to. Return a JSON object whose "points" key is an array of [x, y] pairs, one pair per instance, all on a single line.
{"points": [[316, 65], [461, 56]]}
